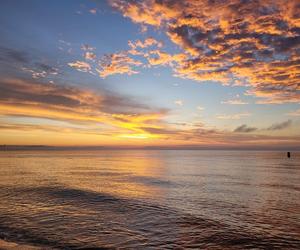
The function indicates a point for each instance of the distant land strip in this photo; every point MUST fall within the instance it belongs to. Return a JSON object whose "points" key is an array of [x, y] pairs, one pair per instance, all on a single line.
{"points": [[175, 147]]}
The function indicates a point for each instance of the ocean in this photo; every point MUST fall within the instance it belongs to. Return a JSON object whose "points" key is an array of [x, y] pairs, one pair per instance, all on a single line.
{"points": [[150, 199]]}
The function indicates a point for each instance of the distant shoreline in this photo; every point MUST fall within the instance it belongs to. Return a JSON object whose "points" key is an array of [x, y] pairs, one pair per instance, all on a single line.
{"points": [[182, 147]]}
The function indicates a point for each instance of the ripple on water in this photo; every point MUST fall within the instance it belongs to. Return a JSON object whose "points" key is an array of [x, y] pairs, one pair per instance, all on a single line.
{"points": [[66, 217]]}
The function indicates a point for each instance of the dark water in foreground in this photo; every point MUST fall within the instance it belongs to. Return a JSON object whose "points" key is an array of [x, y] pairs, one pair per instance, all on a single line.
{"points": [[151, 199]]}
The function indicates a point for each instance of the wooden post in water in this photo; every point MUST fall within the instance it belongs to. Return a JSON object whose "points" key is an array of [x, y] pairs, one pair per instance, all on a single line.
{"points": [[289, 154]]}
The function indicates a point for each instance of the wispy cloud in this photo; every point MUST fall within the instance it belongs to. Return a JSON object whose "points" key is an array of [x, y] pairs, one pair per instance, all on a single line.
{"points": [[23, 62], [179, 102], [294, 113], [279, 126], [200, 108], [124, 62], [245, 129], [119, 116], [118, 63], [87, 47], [235, 102], [21, 97], [233, 116], [64, 42], [276, 126], [93, 11], [14, 55], [148, 42], [90, 55], [81, 66], [41, 70]]}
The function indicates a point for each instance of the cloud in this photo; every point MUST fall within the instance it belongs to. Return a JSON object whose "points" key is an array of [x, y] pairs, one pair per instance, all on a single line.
{"points": [[86, 47], [13, 55], [47, 68], [125, 62], [19, 97], [244, 129], [259, 51], [89, 55], [161, 131], [280, 126], [150, 49], [35, 74], [81, 66], [106, 113], [56, 129], [158, 57], [233, 116], [294, 113], [277, 126], [118, 63], [143, 28], [27, 92], [93, 11], [12, 60], [179, 102], [206, 137], [65, 42], [148, 42], [200, 108], [235, 102], [41, 70]]}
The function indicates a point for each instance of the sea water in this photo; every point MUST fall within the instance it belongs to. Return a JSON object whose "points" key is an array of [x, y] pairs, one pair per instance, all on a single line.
{"points": [[150, 199]]}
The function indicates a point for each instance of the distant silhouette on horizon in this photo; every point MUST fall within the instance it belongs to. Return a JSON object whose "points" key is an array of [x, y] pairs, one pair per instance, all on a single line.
{"points": [[289, 154]]}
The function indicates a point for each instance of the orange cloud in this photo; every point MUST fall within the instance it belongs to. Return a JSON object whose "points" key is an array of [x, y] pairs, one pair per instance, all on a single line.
{"points": [[260, 50], [157, 57], [76, 106], [83, 116], [146, 12], [148, 42], [118, 63], [81, 66], [89, 55]]}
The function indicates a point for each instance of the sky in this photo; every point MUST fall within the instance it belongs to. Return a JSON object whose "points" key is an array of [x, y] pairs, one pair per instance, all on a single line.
{"points": [[150, 73]]}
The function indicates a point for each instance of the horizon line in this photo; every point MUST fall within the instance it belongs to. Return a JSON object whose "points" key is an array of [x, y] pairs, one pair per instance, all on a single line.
{"points": [[5, 147]]}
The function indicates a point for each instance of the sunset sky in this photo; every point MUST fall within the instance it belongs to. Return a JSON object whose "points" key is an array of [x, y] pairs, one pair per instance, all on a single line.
{"points": [[150, 73]]}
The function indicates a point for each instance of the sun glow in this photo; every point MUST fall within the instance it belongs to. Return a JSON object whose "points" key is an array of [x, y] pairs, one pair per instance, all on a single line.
{"points": [[138, 136]]}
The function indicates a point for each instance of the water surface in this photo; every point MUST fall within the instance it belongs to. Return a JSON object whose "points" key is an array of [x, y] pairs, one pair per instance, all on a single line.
{"points": [[151, 199]]}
